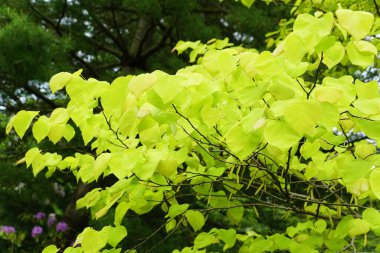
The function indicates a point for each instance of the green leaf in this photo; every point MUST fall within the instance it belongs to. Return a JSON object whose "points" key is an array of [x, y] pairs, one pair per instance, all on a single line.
{"points": [[38, 164], [367, 90], [358, 227], [170, 225], [281, 91], [329, 116], [150, 136], [356, 23], [22, 121], [328, 94], [113, 98], [374, 180], [203, 240], [218, 199], [302, 116], [333, 55], [167, 167], [250, 95], [59, 115], [101, 164], [210, 115], [312, 30], [115, 234], [235, 214], [176, 210], [9, 125], [341, 230], [56, 132], [280, 134], [370, 128], [240, 142], [59, 81], [30, 155], [292, 50], [372, 216], [248, 3], [69, 132], [139, 84], [50, 249], [361, 53], [260, 245], [167, 88], [228, 237], [73, 250], [320, 226], [122, 163], [93, 240], [147, 169], [120, 212], [195, 219], [41, 128]]}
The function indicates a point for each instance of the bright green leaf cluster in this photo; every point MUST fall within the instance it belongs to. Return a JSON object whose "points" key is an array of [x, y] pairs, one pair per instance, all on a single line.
{"points": [[238, 130]]}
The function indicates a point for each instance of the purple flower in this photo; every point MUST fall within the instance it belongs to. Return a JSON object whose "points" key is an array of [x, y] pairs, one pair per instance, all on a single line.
{"points": [[51, 219], [37, 230], [7, 229], [40, 215], [61, 226]]}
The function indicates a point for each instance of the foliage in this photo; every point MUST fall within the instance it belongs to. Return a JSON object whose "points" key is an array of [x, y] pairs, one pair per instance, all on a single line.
{"points": [[39, 38], [237, 133], [111, 38]]}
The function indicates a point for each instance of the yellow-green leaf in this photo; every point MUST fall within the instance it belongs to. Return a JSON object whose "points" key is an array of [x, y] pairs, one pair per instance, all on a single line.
{"points": [[50, 249], [69, 132], [328, 94], [115, 234], [280, 134], [358, 227], [374, 180], [195, 219], [31, 155], [333, 55], [122, 163], [93, 240], [101, 164], [59, 81], [139, 84], [248, 3], [356, 23], [41, 128], [56, 132], [302, 116], [361, 53], [176, 210], [22, 120], [367, 90]]}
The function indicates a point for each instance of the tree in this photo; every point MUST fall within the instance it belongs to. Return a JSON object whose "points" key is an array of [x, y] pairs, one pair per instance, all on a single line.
{"points": [[237, 133], [111, 38], [40, 38]]}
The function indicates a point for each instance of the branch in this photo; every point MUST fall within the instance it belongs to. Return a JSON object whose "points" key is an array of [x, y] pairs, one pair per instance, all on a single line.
{"points": [[377, 7], [159, 45], [64, 8], [143, 25], [57, 29], [316, 77], [113, 131], [41, 96], [287, 170]]}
